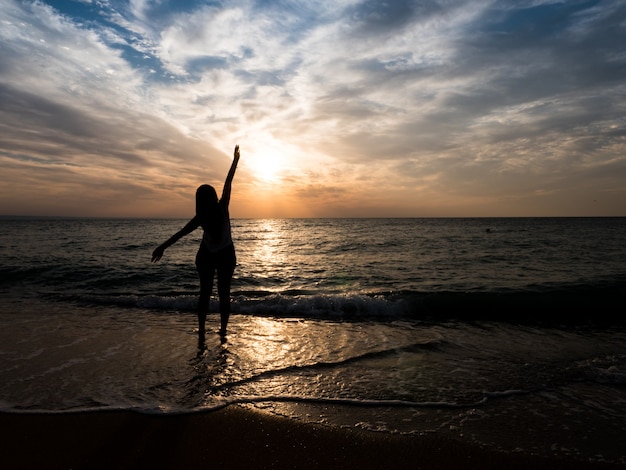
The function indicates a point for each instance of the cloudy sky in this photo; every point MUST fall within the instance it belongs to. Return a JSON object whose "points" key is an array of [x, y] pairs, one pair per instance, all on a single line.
{"points": [[341, 108]]}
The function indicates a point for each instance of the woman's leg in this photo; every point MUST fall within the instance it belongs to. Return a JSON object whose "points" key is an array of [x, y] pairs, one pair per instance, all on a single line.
{"points": [[206, 271], [225, 270]]}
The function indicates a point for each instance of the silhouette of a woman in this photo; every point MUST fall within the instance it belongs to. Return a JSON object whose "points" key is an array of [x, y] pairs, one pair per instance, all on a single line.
{"points": [[216, 252]]}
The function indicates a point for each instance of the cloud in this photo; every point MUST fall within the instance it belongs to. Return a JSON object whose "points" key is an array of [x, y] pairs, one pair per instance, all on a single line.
{"points": [[75, 119], [404, 107]]}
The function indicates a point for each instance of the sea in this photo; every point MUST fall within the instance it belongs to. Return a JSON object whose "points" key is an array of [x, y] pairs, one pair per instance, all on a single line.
{"points": [[506, 333]]}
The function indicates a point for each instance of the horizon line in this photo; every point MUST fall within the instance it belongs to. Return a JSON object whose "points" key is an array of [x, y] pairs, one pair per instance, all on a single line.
{"points": [[107, 217]]}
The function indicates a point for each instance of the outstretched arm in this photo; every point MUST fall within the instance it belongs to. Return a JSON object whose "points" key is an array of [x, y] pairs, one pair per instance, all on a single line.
{"points": [[193, 224], [229, 178]]}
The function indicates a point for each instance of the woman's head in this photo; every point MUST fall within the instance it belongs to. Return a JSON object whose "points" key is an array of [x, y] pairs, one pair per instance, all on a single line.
{"points": [[206, 200], [209, 211]]}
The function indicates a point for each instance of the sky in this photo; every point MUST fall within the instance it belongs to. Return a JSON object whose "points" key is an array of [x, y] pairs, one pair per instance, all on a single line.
{"points": [[344, 108]]}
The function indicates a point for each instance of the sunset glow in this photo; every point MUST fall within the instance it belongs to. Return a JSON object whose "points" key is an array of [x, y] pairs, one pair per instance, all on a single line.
{"points": [[341, 109]]}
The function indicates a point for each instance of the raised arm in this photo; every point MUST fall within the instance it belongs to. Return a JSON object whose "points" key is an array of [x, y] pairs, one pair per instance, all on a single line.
{"points": [[193, 224], [229, 178]]}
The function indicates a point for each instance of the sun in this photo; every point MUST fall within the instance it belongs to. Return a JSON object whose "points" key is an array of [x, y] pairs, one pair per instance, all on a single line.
{"points": [[265, 165]]}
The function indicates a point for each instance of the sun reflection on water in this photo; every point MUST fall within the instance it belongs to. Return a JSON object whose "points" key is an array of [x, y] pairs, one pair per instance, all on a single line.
{"points": [[267, 344], [263, 255]]}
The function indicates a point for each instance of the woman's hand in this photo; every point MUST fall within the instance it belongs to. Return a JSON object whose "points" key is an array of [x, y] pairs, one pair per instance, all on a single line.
{"points": [[157, 254], [236, 155]]}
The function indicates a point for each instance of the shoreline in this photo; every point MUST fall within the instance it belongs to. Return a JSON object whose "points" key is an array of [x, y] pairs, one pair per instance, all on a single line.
{"points": [[234, 437]]}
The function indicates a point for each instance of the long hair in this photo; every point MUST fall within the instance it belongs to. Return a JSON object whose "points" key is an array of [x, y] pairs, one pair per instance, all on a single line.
{"points": [[210, 212]]}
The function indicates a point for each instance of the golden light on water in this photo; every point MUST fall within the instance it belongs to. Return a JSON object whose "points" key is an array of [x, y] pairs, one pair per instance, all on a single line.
{"points": [[268, 343], [268, 249]]}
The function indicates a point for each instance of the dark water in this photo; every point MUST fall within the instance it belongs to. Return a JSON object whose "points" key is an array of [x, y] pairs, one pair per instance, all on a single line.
{"points": [[505, 332]]}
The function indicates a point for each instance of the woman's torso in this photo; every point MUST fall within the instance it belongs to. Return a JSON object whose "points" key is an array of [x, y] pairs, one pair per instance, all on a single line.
{"points": [[224, 239]]}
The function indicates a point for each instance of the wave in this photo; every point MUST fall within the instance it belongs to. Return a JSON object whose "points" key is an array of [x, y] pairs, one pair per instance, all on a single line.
{"points": [[603, 303], [321, 366], [216, 403], [342, 401], [601, 300]]}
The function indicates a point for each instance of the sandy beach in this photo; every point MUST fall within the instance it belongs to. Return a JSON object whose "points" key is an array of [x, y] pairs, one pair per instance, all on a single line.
{"points": [[232, 438]]}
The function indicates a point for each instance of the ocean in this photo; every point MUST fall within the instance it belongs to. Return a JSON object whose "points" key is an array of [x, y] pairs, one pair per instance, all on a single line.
{"points": [[508, 333]]}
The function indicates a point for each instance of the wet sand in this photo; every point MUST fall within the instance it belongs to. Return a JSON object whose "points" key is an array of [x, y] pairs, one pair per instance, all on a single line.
{"points": [[232, 438]]}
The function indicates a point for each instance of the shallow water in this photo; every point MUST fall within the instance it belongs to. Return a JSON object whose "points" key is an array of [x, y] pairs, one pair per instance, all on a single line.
{"points": [[455, 379]]}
